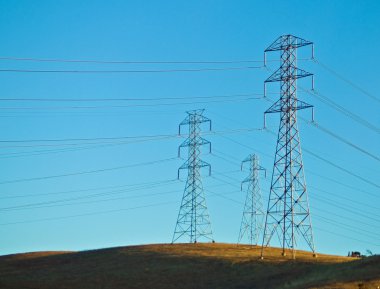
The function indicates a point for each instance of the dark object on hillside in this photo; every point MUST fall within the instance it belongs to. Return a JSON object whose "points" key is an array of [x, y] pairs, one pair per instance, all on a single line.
{"points": [[354, 254]]}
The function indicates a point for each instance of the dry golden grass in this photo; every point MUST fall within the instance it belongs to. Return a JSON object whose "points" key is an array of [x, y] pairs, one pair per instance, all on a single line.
{"points": [[182, 266], [239, 253]]}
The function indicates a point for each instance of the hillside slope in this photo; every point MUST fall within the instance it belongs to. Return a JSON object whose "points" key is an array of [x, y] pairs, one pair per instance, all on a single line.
{"points": [[183, 266]]}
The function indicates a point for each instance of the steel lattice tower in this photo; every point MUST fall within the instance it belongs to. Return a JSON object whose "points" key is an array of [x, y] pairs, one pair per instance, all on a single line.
{"points": [[288, 211], [253, 214], [193, 219]]}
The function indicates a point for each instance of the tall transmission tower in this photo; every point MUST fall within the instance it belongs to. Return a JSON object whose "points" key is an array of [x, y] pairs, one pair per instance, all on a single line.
{"points": [[193, 219], [288, 212], [253, 214]]}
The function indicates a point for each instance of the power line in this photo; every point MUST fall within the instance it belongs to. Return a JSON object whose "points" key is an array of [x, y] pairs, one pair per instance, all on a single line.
{"points": [[74, 149], [224, 197], [127, 106], [343, 140], [343, 110], [342, 168], [352, 228], [234, 162], [62, 202], [131, 71], [348, 207], [149, 137], [347, 237], [159, 204], [97, 61], [332, 134], [361, 231], [348, 81], [315, 188], [89, 202], [356, 189], [125, 99], [86, 214], [29, 59], [89, 196], [341, 196], [90, 214], [344, 208], [84, 190], [85, 172], [89, 139], [339, 167], [322, 159], [57, 203], [355, 220]]}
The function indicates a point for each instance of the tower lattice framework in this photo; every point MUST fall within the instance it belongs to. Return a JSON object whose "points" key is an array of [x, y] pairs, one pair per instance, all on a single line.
{"points": [[288, 213], [193, 220], [253, 214]]}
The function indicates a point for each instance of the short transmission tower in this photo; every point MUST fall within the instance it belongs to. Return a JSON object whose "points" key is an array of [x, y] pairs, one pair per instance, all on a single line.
{"points": [[288, 211], [193, 220], [253, 214]]}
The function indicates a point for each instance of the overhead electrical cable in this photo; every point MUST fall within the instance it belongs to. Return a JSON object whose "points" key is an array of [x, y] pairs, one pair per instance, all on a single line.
{"points": [[221, 132], [354, 220], [125, 186], [206, 69], [50, 99], [235, 161], [348, 81], [343, 110], [336, 136], [339, 167], [89, 196], [66, 202], [98, 61], [355, 212], [11, 109], [86, 172], [343, 140], [352, 228], [359, 230], [342, 168], [346, 237], [344, 197], [346, 206], [31, 59], [88, 214]]}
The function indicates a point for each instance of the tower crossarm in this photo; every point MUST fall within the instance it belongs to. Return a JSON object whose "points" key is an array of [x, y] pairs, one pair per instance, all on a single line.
{"points": [[194, 117], [285, 42], [278, 106], [279, 75], [199, 141], [191, 165]]}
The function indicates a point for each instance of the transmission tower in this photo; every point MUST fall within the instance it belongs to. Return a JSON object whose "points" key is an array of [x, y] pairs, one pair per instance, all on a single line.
{"points": [[288, 211], [253, 214], [193, 220]]}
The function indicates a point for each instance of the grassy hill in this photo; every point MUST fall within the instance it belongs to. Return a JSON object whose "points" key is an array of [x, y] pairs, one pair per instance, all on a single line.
{"points": [[183, 266]]}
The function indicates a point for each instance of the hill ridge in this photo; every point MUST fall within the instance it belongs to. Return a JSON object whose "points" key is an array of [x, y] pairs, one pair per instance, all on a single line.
{"points": [[201, 265]]}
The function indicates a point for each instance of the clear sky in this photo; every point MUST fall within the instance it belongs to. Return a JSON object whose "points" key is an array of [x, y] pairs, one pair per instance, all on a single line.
{"points": [[91, 192]]}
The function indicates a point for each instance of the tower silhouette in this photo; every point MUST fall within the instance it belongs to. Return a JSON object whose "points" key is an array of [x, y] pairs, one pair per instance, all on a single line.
{"points": [[253, 214], [288, 213], [193, 220]]}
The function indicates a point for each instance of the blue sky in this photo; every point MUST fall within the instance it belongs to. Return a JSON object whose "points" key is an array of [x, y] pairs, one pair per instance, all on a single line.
{"points": [[139, 204]]}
